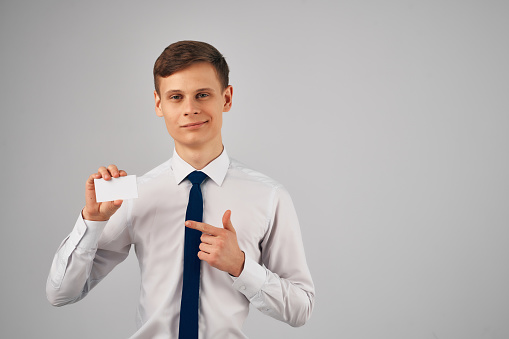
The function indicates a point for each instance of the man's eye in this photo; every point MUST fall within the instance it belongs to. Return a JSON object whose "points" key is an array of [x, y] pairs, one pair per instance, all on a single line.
{"points": [[202, 95], [175, 97]]}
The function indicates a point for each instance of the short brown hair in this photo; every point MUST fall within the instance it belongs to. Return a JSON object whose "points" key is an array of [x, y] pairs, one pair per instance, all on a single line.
{"points": [[182, 54]]}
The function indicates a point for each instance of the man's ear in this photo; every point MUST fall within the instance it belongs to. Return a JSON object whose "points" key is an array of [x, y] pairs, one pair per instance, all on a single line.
{"points": [[228, 95], [157, 100]]}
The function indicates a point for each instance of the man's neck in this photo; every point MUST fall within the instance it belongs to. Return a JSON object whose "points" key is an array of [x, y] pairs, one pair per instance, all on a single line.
{"points": [[199, 157]]}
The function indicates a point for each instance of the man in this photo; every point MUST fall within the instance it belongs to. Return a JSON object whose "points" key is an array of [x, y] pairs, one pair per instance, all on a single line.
{"points": [[256, 257]]}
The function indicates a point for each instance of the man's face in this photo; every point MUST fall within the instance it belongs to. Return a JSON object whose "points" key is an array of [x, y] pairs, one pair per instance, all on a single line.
{"points": [[192, 103]]}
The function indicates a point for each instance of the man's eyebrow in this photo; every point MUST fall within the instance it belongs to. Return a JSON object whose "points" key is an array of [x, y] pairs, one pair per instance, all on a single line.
{"points": [[173, 91], [205, 89]]}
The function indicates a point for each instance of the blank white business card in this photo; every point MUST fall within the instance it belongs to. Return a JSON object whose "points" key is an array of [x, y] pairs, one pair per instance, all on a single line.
{"points": [[120, 188]]}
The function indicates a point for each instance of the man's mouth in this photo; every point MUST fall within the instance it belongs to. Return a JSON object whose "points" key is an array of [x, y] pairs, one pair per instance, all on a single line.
{"points": [[195, 124]]}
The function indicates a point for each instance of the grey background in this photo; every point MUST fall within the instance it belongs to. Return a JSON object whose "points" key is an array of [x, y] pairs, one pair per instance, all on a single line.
{"points": [[386, 120]]}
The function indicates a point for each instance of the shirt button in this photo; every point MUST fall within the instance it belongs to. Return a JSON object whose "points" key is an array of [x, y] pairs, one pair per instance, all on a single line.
{"points": [[243, 288]]}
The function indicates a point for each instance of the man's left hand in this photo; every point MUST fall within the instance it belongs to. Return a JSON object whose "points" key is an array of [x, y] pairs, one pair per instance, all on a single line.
{"points": [[219, 246]]}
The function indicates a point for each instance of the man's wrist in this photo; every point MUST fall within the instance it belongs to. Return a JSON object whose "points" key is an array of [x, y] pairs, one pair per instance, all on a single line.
{"points": [[238, 272], [86, 216]]}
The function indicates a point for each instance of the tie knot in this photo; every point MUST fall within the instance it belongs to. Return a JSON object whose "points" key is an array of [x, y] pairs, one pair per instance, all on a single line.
{"points": [[196, 177]]}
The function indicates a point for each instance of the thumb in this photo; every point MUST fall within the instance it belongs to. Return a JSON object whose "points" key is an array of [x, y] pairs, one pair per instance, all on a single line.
{"points": [[117, 204], [110, 207], [227, 224]]}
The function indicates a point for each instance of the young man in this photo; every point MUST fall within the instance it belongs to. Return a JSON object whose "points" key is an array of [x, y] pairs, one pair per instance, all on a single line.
{"points": [[248, 246]]}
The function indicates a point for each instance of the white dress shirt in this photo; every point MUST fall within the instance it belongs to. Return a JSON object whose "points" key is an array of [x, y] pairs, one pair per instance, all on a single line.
{"points": [[275, 278]]}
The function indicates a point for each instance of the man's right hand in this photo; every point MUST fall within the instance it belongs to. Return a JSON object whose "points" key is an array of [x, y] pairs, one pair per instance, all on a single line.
{"points": [[101, 211]]}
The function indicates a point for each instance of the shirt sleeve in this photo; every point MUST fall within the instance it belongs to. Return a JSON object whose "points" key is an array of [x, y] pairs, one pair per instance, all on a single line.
{"points": [[86, 256], [281, 286]]}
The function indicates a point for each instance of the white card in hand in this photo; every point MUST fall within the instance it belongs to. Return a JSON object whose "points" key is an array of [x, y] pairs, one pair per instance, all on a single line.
{"points": [[120, 188]]}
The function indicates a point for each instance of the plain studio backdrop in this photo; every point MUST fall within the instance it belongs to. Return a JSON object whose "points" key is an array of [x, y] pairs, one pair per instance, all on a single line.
{"points": [[388, 122]]}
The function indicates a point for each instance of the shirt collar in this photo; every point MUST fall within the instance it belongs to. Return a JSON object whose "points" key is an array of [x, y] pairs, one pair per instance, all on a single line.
{"points": [[215, 170]]}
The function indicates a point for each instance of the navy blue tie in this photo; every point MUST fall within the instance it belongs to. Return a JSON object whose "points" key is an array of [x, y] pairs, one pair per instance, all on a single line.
{"points": [[188, 326]]}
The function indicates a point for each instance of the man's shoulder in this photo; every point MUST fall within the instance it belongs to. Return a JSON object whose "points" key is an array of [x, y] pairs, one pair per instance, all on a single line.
{"points": [[240, 171], [156, 173]]}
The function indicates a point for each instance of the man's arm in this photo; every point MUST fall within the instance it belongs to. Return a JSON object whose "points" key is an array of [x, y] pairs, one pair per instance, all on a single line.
{"points": [[282, 288], [92, 249], [219, 246]]}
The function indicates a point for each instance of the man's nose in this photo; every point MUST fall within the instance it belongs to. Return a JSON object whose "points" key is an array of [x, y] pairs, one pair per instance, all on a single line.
{"points": [[190, 107]]}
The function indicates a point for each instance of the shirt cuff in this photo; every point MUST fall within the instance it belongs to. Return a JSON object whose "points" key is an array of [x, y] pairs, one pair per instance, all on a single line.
{"points": [[252, 278], [92, 230]]}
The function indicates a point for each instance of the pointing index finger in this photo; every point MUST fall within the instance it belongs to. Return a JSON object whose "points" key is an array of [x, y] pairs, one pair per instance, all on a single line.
{"points": [[203, 227]]}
